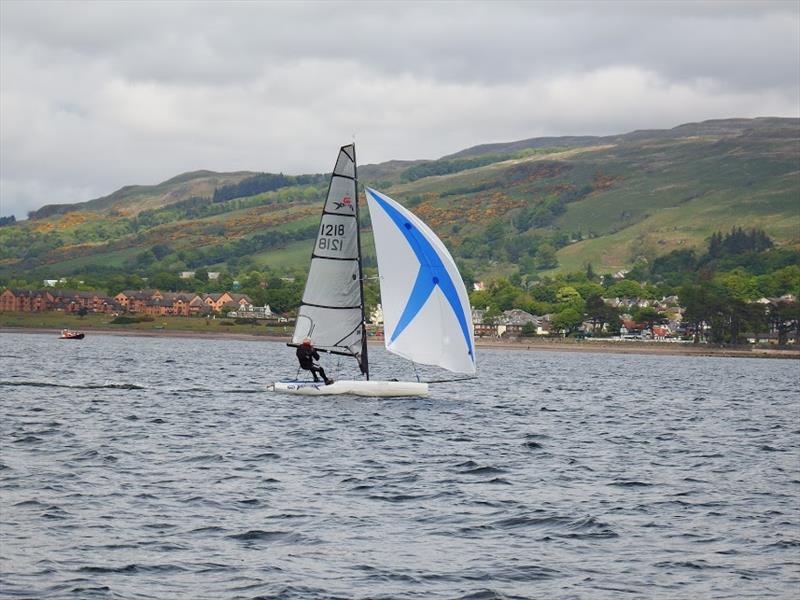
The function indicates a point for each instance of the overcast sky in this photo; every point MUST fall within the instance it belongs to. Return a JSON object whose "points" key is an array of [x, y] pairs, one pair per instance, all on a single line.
{"points": [[97, 95]]}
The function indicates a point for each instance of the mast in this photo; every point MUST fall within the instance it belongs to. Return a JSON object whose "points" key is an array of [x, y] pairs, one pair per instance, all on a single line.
{"points": [[364, 361]]}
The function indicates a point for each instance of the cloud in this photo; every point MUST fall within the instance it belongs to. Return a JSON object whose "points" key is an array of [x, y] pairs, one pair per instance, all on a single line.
{"points": [[94, 96]]}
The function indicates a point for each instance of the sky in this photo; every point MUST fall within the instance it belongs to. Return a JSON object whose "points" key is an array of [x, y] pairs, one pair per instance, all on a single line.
{"points": [[98, 95]]}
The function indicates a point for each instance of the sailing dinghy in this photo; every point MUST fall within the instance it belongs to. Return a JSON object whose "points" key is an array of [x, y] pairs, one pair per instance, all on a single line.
{"points": [[427, 317]]}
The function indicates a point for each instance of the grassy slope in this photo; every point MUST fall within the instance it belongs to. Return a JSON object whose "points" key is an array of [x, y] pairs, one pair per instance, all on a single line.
{"points": [[653, 191], [677, 195]]}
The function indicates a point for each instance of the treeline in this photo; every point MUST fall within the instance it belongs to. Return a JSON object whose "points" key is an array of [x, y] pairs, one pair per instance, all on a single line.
{"points": [[10, 220], [738, 241], [446, 167], [544, 213], [51, 210], [730, 317], [222, 253], [265, 182]]}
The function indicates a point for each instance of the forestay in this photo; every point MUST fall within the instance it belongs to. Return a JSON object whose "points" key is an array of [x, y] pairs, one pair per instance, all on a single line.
{"points": [[426, 310], [331, 310]]}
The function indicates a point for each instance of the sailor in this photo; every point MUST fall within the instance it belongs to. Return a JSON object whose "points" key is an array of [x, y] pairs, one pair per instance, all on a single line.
{"points": [[307, 354]]}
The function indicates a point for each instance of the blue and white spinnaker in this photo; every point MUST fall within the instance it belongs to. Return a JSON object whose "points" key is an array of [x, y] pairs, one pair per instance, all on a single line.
{"points": [[426, 310]]}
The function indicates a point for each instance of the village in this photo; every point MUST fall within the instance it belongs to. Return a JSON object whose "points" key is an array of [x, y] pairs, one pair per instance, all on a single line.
{"points": [[666, 325], [143, 302]]}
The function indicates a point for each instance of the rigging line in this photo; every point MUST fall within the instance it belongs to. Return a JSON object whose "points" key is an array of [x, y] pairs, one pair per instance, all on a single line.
{"points": [[293, 345], [452, 380]]}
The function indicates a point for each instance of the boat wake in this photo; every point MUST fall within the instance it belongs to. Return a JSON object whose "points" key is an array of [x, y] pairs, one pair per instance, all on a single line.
{"points": [[89, 386]]}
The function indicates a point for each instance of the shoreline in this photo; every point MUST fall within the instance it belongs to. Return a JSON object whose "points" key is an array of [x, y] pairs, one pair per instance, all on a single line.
{"points": [[532, 345]]}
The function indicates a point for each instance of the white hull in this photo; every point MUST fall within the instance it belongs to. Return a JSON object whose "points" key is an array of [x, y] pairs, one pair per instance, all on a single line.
{"points": [[382, 389]]}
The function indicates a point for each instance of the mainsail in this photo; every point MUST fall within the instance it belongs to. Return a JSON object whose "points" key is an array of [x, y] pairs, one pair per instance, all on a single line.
{"points": [[331, 312], [426, 310]]}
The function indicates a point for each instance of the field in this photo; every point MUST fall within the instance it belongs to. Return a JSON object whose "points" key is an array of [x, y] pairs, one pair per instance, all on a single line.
{"points": [[59, 320]]}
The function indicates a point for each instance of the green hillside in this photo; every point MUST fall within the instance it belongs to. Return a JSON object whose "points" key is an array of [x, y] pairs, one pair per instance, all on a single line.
{"points": [[531, 206]]}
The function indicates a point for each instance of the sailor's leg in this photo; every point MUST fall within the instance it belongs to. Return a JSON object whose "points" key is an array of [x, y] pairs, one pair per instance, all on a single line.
{"points": [[325, 377]]}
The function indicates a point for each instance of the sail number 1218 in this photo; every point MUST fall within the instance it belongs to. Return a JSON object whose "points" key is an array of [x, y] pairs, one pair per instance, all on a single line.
{"points": [[329, 236]]}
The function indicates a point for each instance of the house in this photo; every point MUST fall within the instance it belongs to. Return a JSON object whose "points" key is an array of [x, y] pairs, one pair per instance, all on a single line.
{"points": [[75, 301], [218, 302], [148, 302], [19, 300], [660, 332], [133, 300], [8, 300], [197, 306], [515, 319], [509, 323], [178, 303]]}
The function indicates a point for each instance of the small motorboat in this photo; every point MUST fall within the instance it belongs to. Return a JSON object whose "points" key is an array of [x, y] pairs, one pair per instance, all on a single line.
{"points": [[68, 334]]}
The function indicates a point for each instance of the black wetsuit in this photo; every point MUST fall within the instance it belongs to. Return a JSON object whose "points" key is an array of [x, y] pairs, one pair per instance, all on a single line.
{"points": [[307, 355]]}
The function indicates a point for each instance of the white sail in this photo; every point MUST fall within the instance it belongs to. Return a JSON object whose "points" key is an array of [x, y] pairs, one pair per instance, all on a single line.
{"points": [[426, 310], [331, 310]]}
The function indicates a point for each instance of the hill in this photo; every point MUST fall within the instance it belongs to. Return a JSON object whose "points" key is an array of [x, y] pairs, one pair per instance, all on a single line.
{"points": [[529, 206]]}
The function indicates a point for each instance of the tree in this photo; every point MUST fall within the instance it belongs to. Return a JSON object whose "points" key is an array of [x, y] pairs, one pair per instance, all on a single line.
{"points": [[784, 317], [590, 274], [648, 315], [492, 316], [567, 295], [755, 318], [600, 313], [166, 281], [568, 321], [627, 288], [161, 250], [546, 257], [696, 301]]}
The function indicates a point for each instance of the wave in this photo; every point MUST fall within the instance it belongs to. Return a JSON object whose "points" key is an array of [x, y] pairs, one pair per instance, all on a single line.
{"points": [[90, 386], [471, 468], [259, 535], [558, 526], [688, 564], [630, 483], [132, 568]]}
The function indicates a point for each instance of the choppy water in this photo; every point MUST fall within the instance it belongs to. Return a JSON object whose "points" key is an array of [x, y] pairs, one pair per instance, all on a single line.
{"points": [[159, 468]]}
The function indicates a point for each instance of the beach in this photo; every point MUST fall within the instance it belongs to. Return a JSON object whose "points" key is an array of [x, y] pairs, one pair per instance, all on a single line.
{"points": [[605, 346]]}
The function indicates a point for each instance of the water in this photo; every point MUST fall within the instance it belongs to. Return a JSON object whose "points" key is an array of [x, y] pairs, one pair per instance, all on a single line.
{"points": [[159, 468]]}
